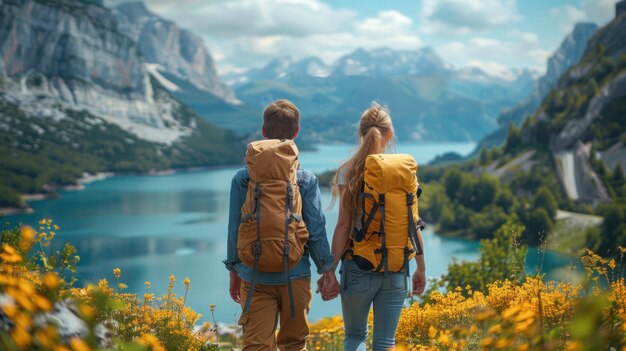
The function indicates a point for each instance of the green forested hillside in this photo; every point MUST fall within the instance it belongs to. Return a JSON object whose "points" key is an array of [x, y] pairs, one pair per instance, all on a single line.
{"points": [[36, 152], [580, 129]]}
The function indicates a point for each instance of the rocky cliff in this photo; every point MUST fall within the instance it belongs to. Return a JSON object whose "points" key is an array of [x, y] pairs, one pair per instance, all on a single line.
{"points": [[76, 96], [583, 118], [177, 51], [69, 54]]}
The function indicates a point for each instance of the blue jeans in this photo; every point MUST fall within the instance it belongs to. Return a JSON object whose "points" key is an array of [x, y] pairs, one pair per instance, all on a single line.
{"points": [[359, 290]]}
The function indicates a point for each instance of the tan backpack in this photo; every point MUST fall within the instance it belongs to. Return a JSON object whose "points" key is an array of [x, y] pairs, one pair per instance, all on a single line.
{"points": [[272, 234]]}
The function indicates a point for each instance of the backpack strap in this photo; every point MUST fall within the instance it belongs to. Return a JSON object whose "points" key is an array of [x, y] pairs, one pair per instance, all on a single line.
{"points": [[365, 223], [412, 228], [257, 250], [288, 217], [384, 262]]}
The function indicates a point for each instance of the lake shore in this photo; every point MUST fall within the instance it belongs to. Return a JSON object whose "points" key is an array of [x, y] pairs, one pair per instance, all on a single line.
{"points": [[88, 178]]}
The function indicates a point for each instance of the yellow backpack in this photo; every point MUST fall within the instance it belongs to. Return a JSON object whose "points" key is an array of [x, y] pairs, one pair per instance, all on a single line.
{"points": [[387, 239]]}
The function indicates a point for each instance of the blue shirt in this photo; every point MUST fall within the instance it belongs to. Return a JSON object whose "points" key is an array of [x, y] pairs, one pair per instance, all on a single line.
{"points": [[317, 247]]}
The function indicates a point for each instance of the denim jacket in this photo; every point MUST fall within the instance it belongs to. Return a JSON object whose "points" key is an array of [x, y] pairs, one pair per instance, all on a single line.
{"points": [[317, 247]]}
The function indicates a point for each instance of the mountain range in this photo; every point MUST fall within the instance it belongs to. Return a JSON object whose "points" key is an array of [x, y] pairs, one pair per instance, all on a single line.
{"points": [[124, 89], [428, 98]]}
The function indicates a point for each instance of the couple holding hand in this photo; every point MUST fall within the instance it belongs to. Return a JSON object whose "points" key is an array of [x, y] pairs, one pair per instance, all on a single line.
{"points": [[285, 298]]}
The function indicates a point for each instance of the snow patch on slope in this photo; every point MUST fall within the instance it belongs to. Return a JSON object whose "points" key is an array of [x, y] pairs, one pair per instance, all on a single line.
{"points": [[154, 70]]}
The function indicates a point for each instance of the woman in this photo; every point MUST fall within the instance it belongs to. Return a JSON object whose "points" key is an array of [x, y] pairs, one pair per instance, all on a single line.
{"points": [[386, 292]]}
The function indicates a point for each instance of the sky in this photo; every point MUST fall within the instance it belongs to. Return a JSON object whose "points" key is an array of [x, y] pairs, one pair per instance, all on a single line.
{"points": [[495, 35]]}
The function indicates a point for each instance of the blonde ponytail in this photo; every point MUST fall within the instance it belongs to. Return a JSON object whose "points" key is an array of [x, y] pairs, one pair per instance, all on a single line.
{"points": [[375, 132]]}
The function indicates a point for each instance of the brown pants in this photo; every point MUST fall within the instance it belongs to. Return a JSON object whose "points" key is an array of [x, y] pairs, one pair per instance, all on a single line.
{"points": [[268, 303]]}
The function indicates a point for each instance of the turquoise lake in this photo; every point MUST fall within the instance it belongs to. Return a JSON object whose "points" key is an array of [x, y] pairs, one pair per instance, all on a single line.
{"points": [[155, 226]]}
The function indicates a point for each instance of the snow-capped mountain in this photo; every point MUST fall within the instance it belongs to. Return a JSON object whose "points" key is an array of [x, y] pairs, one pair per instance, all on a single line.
{"points": [[388, 62], [429, 98]]}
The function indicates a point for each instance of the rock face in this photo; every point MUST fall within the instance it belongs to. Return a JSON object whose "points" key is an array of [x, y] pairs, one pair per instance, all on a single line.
{"points": [[569, 53], [586, 107], [178, 51], [70, 54]]}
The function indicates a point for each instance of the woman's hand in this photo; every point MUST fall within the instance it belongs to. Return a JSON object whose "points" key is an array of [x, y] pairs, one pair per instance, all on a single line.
{"points": [[419, 282]]}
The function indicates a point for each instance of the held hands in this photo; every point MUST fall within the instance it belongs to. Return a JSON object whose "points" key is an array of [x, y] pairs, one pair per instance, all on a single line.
{"points": [[328, 286], [235, 285]]}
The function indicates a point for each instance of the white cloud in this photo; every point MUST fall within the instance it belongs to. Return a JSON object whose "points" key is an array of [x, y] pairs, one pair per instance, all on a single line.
{"points": [[599, 11], [494, 69], [466, 16], [388, 28], [519, 49], [234, 18], [596, 11]]}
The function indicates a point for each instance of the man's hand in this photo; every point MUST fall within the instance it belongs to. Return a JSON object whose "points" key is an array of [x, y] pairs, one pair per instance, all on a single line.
{"points": [[419, 282], [320, 283], [235, 285], [331, 288]]}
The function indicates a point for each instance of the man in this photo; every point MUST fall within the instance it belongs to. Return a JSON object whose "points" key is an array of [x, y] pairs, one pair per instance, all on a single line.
{"points": [[270, 301]]}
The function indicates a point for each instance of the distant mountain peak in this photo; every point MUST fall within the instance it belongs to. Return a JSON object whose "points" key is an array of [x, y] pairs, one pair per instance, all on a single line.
{"points": [[584, 26], [385, 61], [134, 8]]}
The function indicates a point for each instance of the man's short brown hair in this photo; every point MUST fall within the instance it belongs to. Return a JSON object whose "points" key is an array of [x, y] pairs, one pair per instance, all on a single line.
{"points": [[281, 120]]}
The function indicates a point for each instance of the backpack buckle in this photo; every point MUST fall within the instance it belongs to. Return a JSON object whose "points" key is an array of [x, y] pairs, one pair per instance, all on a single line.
{"points": [[286, 254], [257, 248], [256, 193], [409, 199], [381, 199]]}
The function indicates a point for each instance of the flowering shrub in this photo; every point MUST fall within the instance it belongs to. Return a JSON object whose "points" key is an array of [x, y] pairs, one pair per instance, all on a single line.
{"points": [[34, 284], [513, 315], [507, 314]]}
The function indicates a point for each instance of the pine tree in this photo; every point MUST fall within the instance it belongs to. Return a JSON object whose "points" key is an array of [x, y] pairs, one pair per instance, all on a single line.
{"points": [[513, 139], [484, 156]]}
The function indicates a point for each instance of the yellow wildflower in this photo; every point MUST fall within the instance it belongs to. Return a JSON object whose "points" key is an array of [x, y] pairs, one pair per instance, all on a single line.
{"points": [[79, 345], [21, 337], [51, 281], [27, 237], [495, 329], [42, 303]]}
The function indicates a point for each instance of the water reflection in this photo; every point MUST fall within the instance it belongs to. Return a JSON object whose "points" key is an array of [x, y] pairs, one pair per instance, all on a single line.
{"points": [[99, 248]]}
